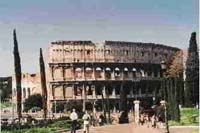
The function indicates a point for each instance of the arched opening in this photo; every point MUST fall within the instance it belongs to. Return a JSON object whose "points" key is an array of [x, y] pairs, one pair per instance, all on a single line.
{"points": [[108, 73]]}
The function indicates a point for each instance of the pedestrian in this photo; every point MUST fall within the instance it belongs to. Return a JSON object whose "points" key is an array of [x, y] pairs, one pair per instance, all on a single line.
{"points": [[73, 117], [86, 122], [141, 119], [153, 121], [101, 120]]}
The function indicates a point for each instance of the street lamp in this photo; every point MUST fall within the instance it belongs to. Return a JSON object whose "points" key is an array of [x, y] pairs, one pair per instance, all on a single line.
{"points": [[163, 67]]}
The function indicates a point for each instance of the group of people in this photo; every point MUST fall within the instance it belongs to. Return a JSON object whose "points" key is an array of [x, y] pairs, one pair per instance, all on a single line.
{"points": [[144, 119], [86, 121], [151, 120]]}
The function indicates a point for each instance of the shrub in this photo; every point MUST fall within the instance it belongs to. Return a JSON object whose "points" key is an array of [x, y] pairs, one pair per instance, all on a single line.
{"points": [[33, 101]]}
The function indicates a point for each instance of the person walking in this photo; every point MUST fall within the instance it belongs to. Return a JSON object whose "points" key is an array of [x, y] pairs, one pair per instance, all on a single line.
{"points": [[86, 122], [73, 117], [153, 121]]}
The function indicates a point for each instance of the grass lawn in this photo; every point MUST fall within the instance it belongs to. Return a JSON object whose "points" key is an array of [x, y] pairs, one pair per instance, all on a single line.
{"points": [[32, 130], [189, 116], [57, 125], [5, 104]]}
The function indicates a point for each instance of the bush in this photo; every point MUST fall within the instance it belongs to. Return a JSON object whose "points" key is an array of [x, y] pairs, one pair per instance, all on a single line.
{"points": [[189, 116], [58, 106], [5, 104], [33, 101], [38, 130], [34, 109], [63, 118], [74, 105]]}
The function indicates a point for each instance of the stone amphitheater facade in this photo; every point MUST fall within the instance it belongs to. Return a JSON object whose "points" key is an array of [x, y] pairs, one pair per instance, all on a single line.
{"points": [[87, 71]]}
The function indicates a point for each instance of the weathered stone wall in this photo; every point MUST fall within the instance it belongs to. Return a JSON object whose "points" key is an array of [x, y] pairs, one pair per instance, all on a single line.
{"points": [[75, 64], [110, 51]]}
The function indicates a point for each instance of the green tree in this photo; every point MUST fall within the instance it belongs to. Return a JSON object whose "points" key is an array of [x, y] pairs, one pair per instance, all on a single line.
{"points": [[59, 107], [33, 101], [175, 66], [123, 98], [5, 88], [18, 75], [173, 85], [192, 73], [43, 84]]}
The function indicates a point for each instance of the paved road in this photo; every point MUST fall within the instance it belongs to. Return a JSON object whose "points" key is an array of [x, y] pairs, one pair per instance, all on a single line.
{"points": [[132, 128], [121, 128]]}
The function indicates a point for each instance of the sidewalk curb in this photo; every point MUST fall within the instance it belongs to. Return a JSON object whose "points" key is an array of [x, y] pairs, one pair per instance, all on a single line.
{"points": [[184, 127], [62, 130], [66, 130]]}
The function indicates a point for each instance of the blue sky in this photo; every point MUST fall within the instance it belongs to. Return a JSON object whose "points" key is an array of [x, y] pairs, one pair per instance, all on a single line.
{"points": [[39, 22]]}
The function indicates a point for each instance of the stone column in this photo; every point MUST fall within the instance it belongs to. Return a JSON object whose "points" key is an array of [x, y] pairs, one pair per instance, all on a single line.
{"points": [[159, 74], [83, 97], [52, 72], [131, 92], [27, 94], [49, 107], [112, 74], [104, 73], [22, 106], [94, 52], [137, 111], [73, 91], [93, 73], [63, 87], [94, 92], [104, 91], [113, 92], [83, 74], [94, 110], [53, 91], [114, 109], [63, 72]]}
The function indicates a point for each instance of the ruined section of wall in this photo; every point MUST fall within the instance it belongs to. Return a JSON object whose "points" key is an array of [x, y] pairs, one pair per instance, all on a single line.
{"points": [[110, 51]]}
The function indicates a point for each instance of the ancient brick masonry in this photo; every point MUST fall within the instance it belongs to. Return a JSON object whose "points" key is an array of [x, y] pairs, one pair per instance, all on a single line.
{"points": [[84, 67]]}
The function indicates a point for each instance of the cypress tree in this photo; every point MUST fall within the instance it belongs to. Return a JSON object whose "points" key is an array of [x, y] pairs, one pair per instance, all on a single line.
{"points": [[123, 98], [192, 73], [43, 84], [18, 75]]}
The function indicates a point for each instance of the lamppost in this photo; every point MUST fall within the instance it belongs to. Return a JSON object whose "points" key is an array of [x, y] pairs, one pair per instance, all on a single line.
{"points": [[163, 67]]}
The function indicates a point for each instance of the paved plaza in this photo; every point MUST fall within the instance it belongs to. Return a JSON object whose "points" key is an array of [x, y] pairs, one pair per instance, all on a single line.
{"points": [[132, 128]]}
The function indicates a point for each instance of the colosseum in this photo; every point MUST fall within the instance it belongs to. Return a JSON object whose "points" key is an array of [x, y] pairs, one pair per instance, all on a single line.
{"points": [[87, 72]]}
